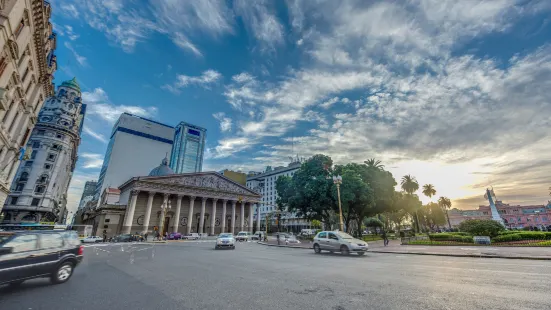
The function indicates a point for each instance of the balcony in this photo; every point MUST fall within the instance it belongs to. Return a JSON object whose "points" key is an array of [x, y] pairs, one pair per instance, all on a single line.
{"points": [[3, 99]]}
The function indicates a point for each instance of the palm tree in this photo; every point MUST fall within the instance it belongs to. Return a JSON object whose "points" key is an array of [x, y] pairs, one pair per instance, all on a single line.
{"points": [[429, 191], [410, 185], [446, 204], [373, 163]]}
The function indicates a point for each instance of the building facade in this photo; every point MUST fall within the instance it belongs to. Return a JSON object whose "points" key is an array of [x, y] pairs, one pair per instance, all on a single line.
{"points": [[39, 190], [264, 183], [514, 217], [89, 189], [133, 137], [27, 64], [236, 176], [188, 148]]}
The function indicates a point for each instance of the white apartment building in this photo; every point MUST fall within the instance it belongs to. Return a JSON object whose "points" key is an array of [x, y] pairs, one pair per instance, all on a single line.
{"points": [[27, 64], [39, 190], [265, 184], [136, 145]]}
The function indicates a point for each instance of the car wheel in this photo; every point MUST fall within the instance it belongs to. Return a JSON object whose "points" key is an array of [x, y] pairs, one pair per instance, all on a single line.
{"points": [[361, 253], [62, 273], [344, 250], [317, 249]]}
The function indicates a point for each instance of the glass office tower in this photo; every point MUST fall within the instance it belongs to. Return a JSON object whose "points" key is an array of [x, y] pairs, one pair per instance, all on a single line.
{"points": [[188, 148]]}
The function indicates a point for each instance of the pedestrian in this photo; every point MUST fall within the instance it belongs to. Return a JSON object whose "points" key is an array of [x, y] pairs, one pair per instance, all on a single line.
{"points": [[385, 238], [145, 236], [104, 236]]}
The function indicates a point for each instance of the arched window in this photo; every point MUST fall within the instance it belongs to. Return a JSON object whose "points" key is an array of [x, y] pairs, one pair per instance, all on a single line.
{"points": [[43, 178], [24, 176]]}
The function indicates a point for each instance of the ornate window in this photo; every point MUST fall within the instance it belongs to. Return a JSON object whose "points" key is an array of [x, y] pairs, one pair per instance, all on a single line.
{"points": [[40, 189], [43, 179], [24, 176]]}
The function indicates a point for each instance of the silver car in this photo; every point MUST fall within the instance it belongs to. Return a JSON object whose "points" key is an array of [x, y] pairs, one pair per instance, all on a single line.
{"points": [[337, 241], [225, 241]]}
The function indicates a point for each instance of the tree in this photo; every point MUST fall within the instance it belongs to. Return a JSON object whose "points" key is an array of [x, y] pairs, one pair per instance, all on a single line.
{"points": [[446, 204], [373, 222], [410, 185], [481, 227], [433, 215], [373, 163], [428, 190], [316, 224]]}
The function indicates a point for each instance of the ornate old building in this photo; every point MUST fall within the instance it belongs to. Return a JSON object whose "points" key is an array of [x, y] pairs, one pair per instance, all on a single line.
{"points": [[39, 190], [27, 64], [205, 202]]}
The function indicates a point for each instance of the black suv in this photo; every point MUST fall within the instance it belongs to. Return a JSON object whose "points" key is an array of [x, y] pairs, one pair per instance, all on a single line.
{"points": [[35, 254]]}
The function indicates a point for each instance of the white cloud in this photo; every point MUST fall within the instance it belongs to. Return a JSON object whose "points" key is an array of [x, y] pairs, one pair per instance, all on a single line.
{"points": [[70, 10], [242, 77], [204, 80], [225, 122], [259, 20], [80, 59], [94, 134], [229, 146], [181, 41], [327, 104], [100, 106], [91, 160]]}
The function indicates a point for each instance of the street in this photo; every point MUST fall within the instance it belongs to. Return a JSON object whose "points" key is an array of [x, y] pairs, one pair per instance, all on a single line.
{"points": [[192, 275]]}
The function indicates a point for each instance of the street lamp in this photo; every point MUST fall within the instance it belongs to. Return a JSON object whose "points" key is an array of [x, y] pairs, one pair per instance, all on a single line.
{"points": [[167, 204], [338, 181]]}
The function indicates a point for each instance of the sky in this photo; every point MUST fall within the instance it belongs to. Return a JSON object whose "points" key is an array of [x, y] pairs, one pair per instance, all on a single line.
{"points": [[455, 93]]}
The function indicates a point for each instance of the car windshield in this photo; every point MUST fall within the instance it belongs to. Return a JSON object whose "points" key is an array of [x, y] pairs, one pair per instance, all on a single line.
{"points": [[241, 234], [345, 235], [225, 236]]}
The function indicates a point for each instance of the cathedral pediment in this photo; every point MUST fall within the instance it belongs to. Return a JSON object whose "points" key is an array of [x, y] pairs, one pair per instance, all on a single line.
{"points": [[210, 180]]}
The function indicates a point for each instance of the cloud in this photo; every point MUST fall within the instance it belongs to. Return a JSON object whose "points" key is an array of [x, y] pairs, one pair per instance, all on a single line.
{"points": [[70, 10], [100, 106], [327, 104], [94, 134], [181, 41], [91, 160], [182, 81], [80, 59], [229, 146], [243, 77], [225, 122], [260, 21]]}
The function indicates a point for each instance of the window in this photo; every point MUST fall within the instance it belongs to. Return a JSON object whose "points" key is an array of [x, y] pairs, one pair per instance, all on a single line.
{"points": [[107, 220], [33, 154], [43, 178], [39, 189], [485, 213], [544, 218], [322, 235], [28, 163], [19, 187], [14, 200], [47, 166], [48, 241], [23, 243], [24, 176], [332, 236], [3, 65], [20, 27], [40, 132], [36, 144], [35, 202], [51, 157], [56, 147], [528, 220], [59, 136]]}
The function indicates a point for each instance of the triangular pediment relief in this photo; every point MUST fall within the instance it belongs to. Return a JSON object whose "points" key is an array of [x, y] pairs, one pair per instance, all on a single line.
{"points": [[203, 180]]}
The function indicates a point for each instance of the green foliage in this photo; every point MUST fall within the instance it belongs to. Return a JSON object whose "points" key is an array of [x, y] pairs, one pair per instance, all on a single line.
{"points": [[481, 227], [451, 237], [523, 236], [372, 222], [409, 184], [458, 233], [433, 215], [316, 223]]}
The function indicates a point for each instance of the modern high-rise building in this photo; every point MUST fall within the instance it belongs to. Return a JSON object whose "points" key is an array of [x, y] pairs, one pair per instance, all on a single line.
{"points": [[39, 190], [27, 65], [188, 148], [89, 190], [135, 146]]}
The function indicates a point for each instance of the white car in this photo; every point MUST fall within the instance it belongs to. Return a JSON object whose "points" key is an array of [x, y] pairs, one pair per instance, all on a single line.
{"points": [[92, 239], [225, 241], [192, 236], [243, 236]]}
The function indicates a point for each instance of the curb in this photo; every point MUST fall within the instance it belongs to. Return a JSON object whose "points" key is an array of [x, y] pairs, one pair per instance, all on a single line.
{"points": [[427, 253]]}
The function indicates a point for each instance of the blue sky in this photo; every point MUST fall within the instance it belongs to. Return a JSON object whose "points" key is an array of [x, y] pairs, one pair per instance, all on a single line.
{"points": [[455, 93]]}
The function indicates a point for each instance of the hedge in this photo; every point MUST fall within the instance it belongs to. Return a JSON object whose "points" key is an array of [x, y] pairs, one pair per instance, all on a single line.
{"points": [[451, 237], [523, 236], [459, 233]]}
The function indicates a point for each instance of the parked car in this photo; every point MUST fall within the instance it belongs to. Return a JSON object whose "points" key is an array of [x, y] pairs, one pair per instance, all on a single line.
{"points": [[92, 239], [243, 236], [258, 236], [33, 254], [175, 236], [292, 240], [123, 238], [225, 241], [192, 236], [337, 241]]}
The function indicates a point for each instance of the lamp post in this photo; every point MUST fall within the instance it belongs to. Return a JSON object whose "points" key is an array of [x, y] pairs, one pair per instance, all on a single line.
{"points": [[338, 181]]}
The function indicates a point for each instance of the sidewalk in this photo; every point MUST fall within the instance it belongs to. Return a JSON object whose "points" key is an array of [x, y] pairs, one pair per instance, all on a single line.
{"points": [[394, 247]]}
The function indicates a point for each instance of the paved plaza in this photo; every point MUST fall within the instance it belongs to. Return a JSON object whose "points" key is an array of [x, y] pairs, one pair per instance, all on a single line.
{"points": [[192, 275]]}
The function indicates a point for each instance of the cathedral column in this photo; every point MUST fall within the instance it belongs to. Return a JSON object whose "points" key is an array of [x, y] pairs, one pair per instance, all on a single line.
{"points": [[147, 215], [177, 215], [190, 214], [257, 217], [202, 216], [224, 215], [251, 217], [130, 212], [233, 217], [213, 216], [242, 215]]}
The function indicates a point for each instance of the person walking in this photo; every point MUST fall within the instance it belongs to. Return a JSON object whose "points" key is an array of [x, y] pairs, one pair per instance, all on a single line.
{"points": [[385, 238], [145, 236]]}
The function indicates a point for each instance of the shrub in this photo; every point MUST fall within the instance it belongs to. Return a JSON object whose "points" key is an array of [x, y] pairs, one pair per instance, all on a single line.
{"points": [[481, 227], [451, 237], [508, 232], [523, 236], [459, 233], [527, 228]]}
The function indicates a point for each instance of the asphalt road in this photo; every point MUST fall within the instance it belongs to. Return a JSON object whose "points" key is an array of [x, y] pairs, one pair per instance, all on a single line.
{"points": [[195, 276]]}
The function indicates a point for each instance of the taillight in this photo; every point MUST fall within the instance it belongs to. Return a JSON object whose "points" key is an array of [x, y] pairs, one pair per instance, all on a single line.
{"points": [[80, 250]]}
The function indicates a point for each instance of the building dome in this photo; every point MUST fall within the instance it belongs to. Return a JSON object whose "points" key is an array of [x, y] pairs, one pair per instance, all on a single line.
{"points": [[71, 84], [162, 169]]}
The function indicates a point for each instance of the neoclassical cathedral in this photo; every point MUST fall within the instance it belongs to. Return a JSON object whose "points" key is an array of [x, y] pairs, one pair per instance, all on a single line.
{"points": [[39, 189]]}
